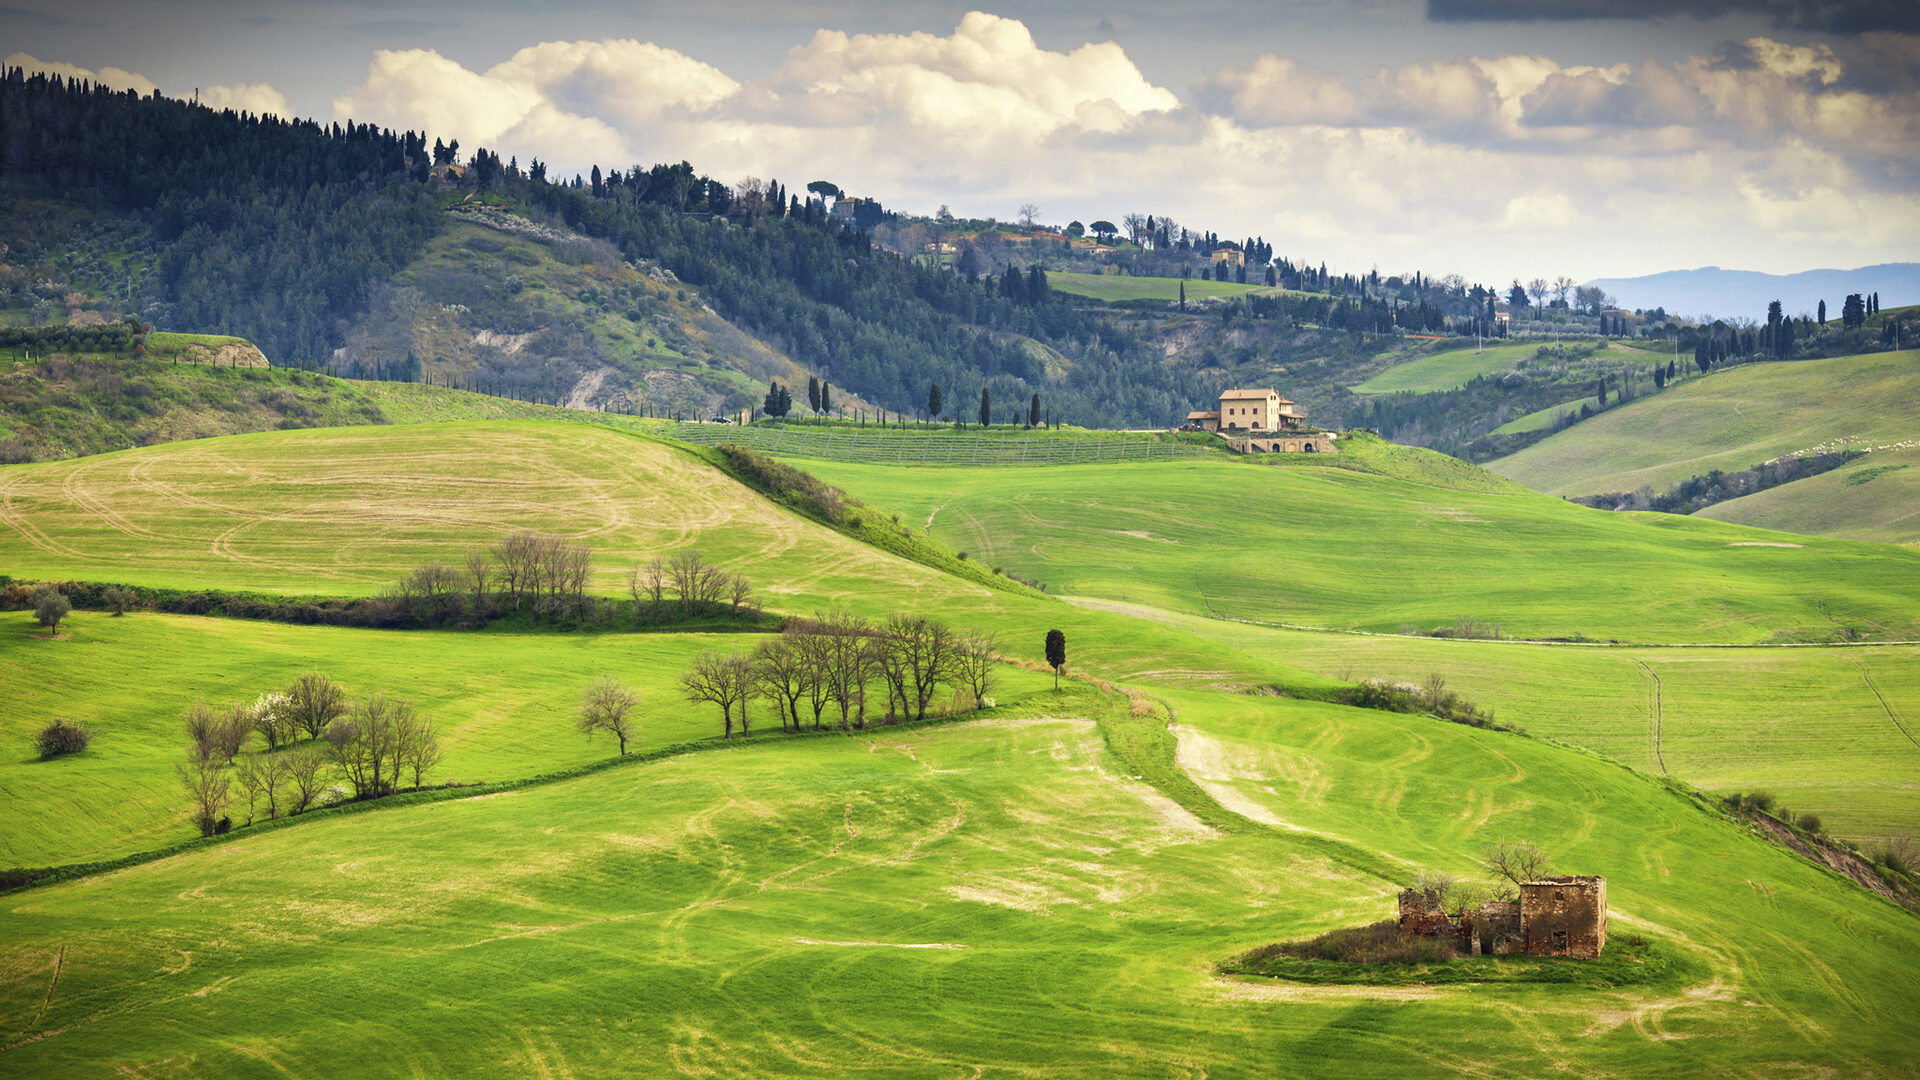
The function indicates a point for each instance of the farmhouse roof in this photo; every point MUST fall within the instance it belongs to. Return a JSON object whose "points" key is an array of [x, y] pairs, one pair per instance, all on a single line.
{"points": [[1204, 414], [1262, 394]]}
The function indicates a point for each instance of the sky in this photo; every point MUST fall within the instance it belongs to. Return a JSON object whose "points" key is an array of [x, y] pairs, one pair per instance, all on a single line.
{"points": [[1496, 139]]}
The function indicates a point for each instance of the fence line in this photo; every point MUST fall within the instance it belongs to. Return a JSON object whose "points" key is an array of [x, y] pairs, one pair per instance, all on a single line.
{"points": [[900, 448]]}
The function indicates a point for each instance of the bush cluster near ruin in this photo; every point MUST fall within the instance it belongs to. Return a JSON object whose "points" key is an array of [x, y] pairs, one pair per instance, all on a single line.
{"points": [[1379, 955]]}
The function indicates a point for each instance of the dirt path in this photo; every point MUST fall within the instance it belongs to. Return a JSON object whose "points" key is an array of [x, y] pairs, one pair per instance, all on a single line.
{"points": [[1655, 708], [1868, 679]]}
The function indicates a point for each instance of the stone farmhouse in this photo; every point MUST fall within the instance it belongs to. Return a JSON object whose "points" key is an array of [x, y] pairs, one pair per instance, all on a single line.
{"points": [[1262, 411], [1556, 916]]}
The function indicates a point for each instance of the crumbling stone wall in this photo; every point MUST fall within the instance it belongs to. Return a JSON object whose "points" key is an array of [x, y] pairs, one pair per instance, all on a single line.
{"points": [[1421, 915], [1496, 929], [1565, 916]]}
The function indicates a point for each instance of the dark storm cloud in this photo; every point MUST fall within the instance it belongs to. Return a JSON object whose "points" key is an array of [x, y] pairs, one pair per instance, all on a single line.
{"points": [[1827, 16]]}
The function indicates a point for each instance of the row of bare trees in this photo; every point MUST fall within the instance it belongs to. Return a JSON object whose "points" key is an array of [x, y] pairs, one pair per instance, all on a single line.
{"points": [[830, 668], [318, 737], [548, 576], [688, 584]]}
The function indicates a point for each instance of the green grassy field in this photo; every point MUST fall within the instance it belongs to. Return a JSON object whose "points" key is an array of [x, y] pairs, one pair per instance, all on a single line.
{"points": [[995, 897], [1042, 891], [503, 704], [1827, 730], [346, 511], [1448, 369], [1874, 498], [1337, 548], [1730, 420], [1115, 287], [1540, 418]]}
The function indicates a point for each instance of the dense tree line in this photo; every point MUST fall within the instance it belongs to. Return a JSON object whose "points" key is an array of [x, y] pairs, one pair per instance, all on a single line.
{"points": [[267, 228]]}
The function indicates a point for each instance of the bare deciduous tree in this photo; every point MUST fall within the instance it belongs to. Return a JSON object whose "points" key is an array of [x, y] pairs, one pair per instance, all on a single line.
{"points": [[419, 747], [1517, 861], [1028, 212], [313, 702], [781, 673], [608, 706], [367, 744], [648, 584], [923, 649], [207, 784], [479, 566], [307, 776], [976, 663], [726, 681]]}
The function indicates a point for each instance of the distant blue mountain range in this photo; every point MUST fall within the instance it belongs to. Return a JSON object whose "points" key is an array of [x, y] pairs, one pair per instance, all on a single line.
{"points": [[1729, 294]]}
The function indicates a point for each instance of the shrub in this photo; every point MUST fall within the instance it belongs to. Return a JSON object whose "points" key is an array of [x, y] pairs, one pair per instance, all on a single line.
{"points": [[1809, 823], [1378, 943], [62, 737], [50, 605]]}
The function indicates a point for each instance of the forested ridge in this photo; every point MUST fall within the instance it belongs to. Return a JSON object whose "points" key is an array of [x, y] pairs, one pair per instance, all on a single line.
{"points": [[281, 231]]}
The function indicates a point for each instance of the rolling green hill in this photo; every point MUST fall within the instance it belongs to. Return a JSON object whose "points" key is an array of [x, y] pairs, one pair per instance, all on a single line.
{"points": [[784, 909], [1874, 498], [1732, 419], [1306, 544]]}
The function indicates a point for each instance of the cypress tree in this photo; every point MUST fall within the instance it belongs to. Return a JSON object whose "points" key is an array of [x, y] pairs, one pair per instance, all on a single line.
{"points": [[813, 394], [986, 407], [1033, 410]]}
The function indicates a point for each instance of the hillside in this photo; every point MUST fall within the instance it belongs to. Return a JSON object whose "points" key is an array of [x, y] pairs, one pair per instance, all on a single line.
{"points": [[766, 904], [785, 897], [1298, 543], [74, 405], [1732, 420], [1874, 498]]}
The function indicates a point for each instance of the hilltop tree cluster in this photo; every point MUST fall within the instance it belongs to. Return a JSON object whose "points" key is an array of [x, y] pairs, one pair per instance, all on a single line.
{"points": [[322, 745]]}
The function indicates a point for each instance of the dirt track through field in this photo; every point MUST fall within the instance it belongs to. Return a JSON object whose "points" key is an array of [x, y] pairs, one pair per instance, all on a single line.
{"points": [[1868, 679], [1654, 709]]}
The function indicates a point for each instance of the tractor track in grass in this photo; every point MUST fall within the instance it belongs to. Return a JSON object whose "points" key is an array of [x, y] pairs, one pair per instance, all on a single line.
{"points": [[1868, 679], [1655, 707]]}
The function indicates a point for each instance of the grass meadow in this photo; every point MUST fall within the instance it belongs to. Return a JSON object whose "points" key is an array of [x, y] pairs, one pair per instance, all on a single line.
{"points": [[1117, 287], [996, 896], [1732, 419], [1042, 890], [1829, 730], [1876, 497], [1332, 547], [1449, 369]]}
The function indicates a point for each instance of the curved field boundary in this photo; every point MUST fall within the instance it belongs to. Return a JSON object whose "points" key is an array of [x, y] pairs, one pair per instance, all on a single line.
{"points": [[898, 448]]}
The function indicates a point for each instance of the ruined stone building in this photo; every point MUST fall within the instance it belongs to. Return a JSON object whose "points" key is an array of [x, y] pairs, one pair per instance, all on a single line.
{"points": [[1556, 916]]}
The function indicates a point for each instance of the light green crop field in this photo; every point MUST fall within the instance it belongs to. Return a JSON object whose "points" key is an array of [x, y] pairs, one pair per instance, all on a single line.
{"points": [[1730, 420], [349, 510], [1830, 731], [503, 705], [1330, 547], [1876, 497], [1449, 369], [1110, 287], [1539, 418], [993, 897]]}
